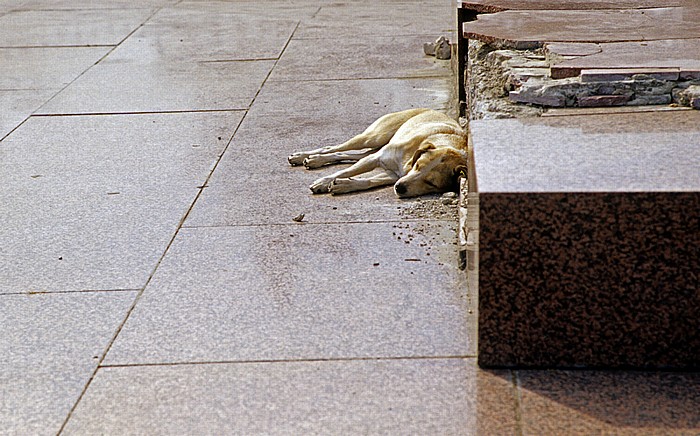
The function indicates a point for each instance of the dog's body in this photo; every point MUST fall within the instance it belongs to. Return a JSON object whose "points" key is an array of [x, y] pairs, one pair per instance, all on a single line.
{"points": [[419, 151]]}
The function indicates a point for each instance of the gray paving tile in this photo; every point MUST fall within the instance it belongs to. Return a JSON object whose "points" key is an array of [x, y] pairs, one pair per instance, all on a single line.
{"points": [[302, 291], [358, 57], [18, 105], [50, 346], [92, 4], [350, 19], [161, 86], [45, 68], [23, 28], [324, 113], [92, 202], [431, 396], [285, 9], [620, 403], [186, 35]]}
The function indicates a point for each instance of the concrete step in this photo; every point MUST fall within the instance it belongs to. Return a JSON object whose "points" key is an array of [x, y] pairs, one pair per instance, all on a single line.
{"points": [[589, 240]]}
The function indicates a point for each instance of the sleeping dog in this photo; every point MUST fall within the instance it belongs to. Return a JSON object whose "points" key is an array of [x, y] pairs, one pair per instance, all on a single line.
{"points": [[419, 151]]}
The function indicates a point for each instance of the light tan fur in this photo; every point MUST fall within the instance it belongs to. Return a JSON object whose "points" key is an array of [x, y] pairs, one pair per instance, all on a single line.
{"points": [[419, 151]]}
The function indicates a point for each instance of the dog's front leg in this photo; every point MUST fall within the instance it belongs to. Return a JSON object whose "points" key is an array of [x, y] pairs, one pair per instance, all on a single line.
{"points": [[364, 165], [344, 186]]}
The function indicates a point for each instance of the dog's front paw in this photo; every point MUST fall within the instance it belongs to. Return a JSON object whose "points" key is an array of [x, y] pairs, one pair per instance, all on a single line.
{"points": [[342, 186], [314, 161], [297, 158], [321, 186]]}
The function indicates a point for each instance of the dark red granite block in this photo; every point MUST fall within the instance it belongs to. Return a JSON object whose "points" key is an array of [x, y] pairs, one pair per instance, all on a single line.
{"points": [[489, 6], [589, 240], [589, 280]]}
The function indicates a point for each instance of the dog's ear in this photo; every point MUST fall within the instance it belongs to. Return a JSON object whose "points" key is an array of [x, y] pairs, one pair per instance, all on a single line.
{"points": [[422, 149], [459, 172]]}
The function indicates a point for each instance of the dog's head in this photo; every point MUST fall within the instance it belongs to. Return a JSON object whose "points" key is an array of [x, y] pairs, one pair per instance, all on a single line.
{"points": [[433, 170]]}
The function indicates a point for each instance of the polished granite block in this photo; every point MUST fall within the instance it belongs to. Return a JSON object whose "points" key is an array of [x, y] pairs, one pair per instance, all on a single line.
{"points": [[490, 6], [302, 291], [50, 347], [412, 396], [527, 28], [589, 249]]}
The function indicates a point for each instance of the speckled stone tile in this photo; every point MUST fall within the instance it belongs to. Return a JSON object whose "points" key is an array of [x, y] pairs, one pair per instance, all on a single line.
{"points": [[161, 86], [620, 403], [532, 28], [358, 58], [92, 202], [588, 248], [45, 68], [302, 291], [635, 152], [175, 35], [424, 396], [50, 346], [489, 6], [18, 105], [350, 19], [278, 9], [683, 54], [25, 28], [325, 113], [91, 4]]}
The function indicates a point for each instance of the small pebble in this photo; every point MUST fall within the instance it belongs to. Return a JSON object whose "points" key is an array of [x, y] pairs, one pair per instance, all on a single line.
{"points": [[299, 218]]}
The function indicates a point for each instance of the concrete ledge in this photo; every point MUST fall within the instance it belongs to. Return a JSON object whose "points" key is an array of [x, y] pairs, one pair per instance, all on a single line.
{"points": [[589, 250]]}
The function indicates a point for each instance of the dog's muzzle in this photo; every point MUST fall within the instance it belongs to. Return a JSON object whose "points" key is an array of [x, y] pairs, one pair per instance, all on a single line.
{"points": [[400, 188]]}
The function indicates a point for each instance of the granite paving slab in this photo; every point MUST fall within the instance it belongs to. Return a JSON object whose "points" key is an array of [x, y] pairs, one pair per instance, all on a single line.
{"points": [[50, 347], [322, 113], [92, 202], [350, 19], [421, 396], [359, 58], [683, 54], [620, 403], [26, 28], [635, 152], [284, 9], [490, 6], [45, 68], [161, 86], [92, 4], [302, 291], [18, 105], [533, 28], [175, 35]]}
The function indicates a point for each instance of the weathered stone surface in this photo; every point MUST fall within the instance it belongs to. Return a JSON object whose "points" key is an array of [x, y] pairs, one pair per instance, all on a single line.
{"points": [[603, 100], [615, 75]]}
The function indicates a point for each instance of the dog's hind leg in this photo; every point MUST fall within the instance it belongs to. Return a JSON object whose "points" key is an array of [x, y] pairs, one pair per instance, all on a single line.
{"points": [[377, 135], [319, 160]]}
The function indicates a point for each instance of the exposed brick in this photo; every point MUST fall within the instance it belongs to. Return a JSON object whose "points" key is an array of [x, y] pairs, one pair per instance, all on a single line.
{"points": [[614, 75], [603, 100]]}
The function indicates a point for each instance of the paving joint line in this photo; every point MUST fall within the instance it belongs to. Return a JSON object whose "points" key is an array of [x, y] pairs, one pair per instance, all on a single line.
{"points": [[345, 79], [82, 291], [301, 360], [138, 296], [293, 224], [95, 114]]}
